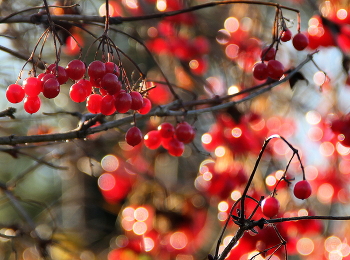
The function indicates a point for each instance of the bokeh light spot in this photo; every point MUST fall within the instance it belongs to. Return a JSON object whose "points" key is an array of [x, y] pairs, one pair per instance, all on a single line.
{"points": [[110, 163], [327, 149], [178, 240], [332, 243], [325, 193], [235, 195], [231, 51], [161, 5], [141, 214], [342, 14], [313, 117], [319, 78], [139, 228], [223, 36], [220, 151], [236, 132], [106, 181], [305, 246], [231, 24], [148, 243], [223, 206]]}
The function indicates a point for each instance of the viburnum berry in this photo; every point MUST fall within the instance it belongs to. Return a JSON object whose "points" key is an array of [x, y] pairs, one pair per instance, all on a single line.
{"points": [[96, 69], [152, 139], [268, 54], [300, 41], [110, 82], [184, 132], [75, 69], [270, 207], [51, 88], [175, 147], [166, 130], [15, 93], [77, 93], [93, 103], [107, 105], [47, 77], [302, 189], [146, 107], [260, 71], [275, 69], [86, 85], [32, 86], [123, 102], [111, 67], [32, 104], [286, 35], [136, 100], [133, 136], [59, 72]]}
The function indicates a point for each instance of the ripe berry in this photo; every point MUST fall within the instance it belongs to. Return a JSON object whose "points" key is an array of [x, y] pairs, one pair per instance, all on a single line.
{"points": [[51, 88], [175, 147], [166, 130], [75, 69], [146, 107], [107, 105], [123, 102], [184, 132], [302, 189], [136, 100], [275, 69], [59, 72], [110, 82], [152, 139], [268, 54], [96, 69], [15, 93], [300, 41], [133, 136], [260, 71], [93, 103], [32, 86], [77, 93], [270, 207], [286, 35], [87, 86], [111, 67], [32, 104]]}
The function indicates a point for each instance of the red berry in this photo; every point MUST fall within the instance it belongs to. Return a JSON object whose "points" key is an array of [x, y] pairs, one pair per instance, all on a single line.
{"points": [[300, 41], [93, 103], [302, 189], [51, 88], [166, 130], [111, 67], [275, 69], [77, 93], [47, 77], [270, 207], [87, 86], [268, 54], [15, 93], [110, 82], [152, 139], [107, 105], [260, 71], [32, 86], [146, 107], [75, 69], [175, 147], [184, 132], [123, 102], [133, 136], [286, 35], [136, 100], [59, 72], [32, 104], [96, 69]]}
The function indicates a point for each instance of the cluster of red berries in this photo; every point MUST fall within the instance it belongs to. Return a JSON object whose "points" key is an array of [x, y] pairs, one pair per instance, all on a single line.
{"points": [[270, 206], [171, 138], [274, 68], [102, 92]]}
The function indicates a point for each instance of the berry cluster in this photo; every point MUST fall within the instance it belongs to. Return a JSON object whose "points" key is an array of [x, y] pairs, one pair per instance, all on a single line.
{"points": [[274, 68], [171, 138], [270, 206]]}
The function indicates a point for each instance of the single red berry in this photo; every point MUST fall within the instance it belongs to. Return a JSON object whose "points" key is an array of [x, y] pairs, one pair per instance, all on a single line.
{"points": [[75, 69], [51, 88], [111, 67], [152, 139], [184, 132], [77, 93], [15, 93], [275, 69], [133, 136], [268, 54], [93, 103], [96, 69], [175, 147], [302, 189], [300, 41], [260, 71], [47, 77], [110, 82], [107, 105], [166, 130], [136, 100], [286, 35], [270, 207], [87, 86], [32, 104], [123, 102], [146, 107], [32, 86], [59, 72]]}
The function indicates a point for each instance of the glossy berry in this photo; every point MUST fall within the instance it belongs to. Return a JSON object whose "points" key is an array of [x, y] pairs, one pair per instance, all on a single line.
{"points": [[59, 72], [123, 102], [107, 105], [110, 82], [15, 93], [111, 67], [152, 139], [260, 71], [93, 103], [184, 132], [136, 100], [32, 86], [300, 41], [275, 69], [166, 130], [268, 54], [146, 107], [51, 88], [96, 69], [77, 93], [75, 69], [270, 207], [133, 136], [286, 35], [302, 189], [86, 85], [175, 147], [32, 104]]}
